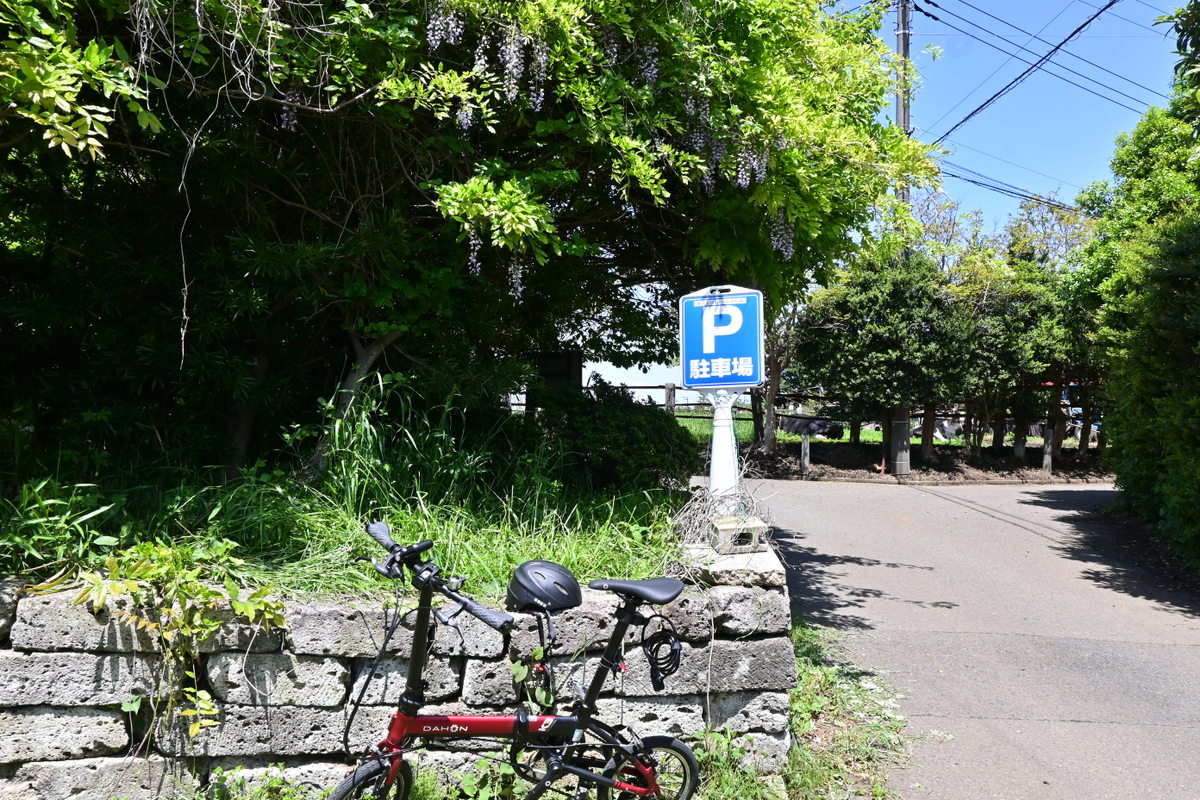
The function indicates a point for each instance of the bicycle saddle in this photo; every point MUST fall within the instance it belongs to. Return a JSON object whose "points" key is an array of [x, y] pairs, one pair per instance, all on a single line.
{"points": [[657, 591]]}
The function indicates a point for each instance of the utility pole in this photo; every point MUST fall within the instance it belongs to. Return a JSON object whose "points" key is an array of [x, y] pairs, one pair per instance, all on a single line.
{"points": [[898, 455]]}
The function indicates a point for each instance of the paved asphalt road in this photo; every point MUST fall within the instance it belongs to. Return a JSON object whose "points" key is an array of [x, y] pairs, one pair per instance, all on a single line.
{"points": [[1039, 657]]}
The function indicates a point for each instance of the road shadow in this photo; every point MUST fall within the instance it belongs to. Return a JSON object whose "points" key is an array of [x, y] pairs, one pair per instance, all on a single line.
{"points": [[818, 595], [1123, 554]]}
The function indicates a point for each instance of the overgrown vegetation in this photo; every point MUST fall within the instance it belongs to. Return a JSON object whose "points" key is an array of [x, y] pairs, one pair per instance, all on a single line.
{"points": [[489, 498]]}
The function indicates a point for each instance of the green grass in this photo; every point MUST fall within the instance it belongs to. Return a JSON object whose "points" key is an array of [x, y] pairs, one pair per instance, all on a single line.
{"points": [[845, 725]]}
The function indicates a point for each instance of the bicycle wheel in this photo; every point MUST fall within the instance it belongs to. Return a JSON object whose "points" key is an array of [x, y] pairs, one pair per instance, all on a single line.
{"points": [[367, 783], [668, 762]]}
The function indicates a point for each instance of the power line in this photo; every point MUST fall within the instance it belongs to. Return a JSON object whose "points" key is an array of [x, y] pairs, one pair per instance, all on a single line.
{"points": [[1043, 41], [1045, 69], [981, 176], [1006, 161], [994, 72], [1084, 36], [1037, 65], [1124, 19], [1154, 8], [955, 171]]}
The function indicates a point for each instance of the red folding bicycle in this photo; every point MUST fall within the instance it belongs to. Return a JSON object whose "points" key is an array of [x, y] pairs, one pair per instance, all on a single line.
{"points": [[569, 753]]}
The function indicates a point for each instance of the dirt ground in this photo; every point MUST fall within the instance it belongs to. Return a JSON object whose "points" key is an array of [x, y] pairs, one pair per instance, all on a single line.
{"points": [[863, 462]]}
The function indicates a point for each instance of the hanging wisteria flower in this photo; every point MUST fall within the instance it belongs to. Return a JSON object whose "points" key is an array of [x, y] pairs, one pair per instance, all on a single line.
{"points": [[783, 236], [612, 45], [474, 242], [287, 116], [481, 53], [647, 58], [750, 166], [538, 66], [445, 26], [512, 60], [465, 115], [516, 275]]}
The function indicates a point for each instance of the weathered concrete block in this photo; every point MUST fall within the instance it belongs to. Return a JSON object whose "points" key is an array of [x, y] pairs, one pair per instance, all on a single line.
{"points": [[765, 752], [472, 638], [680, 716], [240, 635], [691, 615], [278, 679], [443, 679], [723, 666], [74, 679], [488, 683], [449, 765], [9, 589], [273, 731], [742, 569], [39, 733], [53, 622], [338, 629], [578, 630], [743, 712], [324, 628], [744, 611], [134, 778], [242, 775], [752, 664], [12, 789]]}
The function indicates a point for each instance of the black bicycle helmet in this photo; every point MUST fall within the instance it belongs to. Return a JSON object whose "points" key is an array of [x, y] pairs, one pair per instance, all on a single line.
{"points": [[542, 586]]}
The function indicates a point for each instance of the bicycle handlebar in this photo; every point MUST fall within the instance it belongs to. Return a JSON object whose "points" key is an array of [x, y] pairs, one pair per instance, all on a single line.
{"points": [[399, 554], [497, 620], [380, 532]]}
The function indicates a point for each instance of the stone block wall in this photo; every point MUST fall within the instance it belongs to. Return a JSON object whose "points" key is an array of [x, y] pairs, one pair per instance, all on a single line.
{"points": [[285, 697]]}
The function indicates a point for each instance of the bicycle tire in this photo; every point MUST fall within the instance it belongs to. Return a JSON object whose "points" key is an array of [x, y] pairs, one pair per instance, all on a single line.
{"points": [[366, 782], [676, 770]]}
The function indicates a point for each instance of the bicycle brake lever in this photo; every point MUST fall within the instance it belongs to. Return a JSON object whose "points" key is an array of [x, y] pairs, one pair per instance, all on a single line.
{"points": [[447, 617], [388, 568]]}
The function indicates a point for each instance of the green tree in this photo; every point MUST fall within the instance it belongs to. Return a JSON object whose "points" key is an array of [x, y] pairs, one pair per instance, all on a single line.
{"points": [[887, 332], [421, 185], [1142, 267]]}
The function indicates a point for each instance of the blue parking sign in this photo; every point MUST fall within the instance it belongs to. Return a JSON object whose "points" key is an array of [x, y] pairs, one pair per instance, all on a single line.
{"points": [[721, 338]]}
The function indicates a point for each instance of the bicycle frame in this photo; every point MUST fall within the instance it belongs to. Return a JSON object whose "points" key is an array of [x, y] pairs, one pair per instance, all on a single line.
{"points": [[542, 729]]}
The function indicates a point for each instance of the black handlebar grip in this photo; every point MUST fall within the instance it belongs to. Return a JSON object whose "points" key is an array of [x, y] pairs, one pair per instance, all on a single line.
{"points": [[489, 616], [380, 532]]}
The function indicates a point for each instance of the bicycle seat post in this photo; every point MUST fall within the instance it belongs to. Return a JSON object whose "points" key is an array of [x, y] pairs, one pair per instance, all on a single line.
{"points": [[610, 661]]}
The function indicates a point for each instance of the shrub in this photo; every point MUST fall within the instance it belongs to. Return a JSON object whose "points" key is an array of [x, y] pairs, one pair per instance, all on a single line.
{"points": [[609, 440]]}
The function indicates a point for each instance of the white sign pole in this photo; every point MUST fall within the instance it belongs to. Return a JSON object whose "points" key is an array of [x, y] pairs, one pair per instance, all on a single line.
{"points": [[724, 474]]}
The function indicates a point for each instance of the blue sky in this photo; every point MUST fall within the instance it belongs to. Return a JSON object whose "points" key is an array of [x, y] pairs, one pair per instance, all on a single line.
{"points": [[1045, 134]]}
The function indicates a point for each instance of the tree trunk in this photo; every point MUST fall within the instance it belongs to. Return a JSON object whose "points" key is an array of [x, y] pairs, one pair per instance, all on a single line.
{"points": [[998, 431], [756, 414], [365, 358], [928, 426], [776, 364], [1085, 426], [855, 431], [243, 415], [1060, 432], [1020, 435]]}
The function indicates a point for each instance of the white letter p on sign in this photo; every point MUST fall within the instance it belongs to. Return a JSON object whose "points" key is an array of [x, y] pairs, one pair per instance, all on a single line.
{"points": [[711, 330]]}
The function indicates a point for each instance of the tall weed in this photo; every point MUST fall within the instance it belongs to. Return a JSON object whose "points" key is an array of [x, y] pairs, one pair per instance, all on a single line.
{"points": [[49, 523]]}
